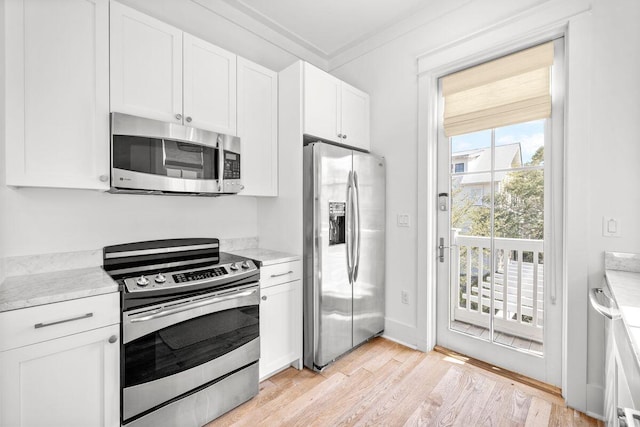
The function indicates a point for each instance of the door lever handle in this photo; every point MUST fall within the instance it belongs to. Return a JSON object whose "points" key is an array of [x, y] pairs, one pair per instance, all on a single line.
{"points": [[441, 248]]}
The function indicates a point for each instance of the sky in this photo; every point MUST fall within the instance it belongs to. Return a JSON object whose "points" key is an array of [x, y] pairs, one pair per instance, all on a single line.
{"points": [[530, 135]]}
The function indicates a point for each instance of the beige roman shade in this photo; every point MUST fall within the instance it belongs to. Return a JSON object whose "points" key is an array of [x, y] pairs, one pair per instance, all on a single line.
{"points": [[508, 90]]}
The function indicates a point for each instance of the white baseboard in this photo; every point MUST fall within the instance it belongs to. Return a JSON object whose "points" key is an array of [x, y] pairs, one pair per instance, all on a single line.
{"points": [[399, 332], [399, 342]]}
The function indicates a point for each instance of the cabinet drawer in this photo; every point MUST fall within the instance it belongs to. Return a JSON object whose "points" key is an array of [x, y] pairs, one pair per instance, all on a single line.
{"points": [[45, 322], [280, 273]]}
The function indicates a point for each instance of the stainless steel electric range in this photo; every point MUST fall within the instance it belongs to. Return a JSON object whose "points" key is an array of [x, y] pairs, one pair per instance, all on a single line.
{"points": [[190, 328]]}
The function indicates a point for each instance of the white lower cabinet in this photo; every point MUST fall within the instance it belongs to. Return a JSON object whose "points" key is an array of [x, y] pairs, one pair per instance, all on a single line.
{"points": [[70, 380], [280, 325]]}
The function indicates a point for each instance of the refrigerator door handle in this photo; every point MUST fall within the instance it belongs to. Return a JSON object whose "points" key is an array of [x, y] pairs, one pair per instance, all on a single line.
{"points": [[356, 258], [349, 231]]}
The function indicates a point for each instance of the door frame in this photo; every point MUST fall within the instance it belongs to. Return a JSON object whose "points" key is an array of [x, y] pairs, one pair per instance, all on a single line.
{"points": [[573, 21]]}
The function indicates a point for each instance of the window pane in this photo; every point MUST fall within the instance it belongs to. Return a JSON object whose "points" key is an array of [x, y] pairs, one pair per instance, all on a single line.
{"points": [[471, 204], [519, 205], [471, 152], [520, 145]]}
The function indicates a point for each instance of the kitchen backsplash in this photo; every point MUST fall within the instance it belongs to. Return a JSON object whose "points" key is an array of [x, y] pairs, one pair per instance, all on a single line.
{"points": [[43, 263], [622, 261]]}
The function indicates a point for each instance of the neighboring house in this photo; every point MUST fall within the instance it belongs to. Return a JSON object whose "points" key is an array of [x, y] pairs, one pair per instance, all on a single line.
{"points": [[475, 184]]}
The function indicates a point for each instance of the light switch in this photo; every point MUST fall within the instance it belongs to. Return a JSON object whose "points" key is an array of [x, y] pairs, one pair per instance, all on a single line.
{"points": [[403, 220], [610, 227]]}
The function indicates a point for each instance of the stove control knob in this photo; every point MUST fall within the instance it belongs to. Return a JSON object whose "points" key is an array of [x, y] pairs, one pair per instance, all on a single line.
{"points": [[245, 264], [233, 266], [160, 278], [142, 281]]}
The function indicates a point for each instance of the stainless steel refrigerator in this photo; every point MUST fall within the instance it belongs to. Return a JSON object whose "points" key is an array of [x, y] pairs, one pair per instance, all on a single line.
{"points": [[344, 251]]}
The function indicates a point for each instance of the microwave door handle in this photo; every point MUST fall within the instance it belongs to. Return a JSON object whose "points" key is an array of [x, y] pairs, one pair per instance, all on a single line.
{"points": [[202, 303]]}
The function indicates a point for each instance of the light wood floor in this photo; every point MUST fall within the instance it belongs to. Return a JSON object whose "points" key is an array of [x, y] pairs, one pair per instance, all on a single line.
{"points": [[385, 384]]}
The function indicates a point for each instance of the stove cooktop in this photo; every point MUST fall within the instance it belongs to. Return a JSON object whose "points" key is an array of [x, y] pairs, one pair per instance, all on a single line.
{"points": [[164, 267]]}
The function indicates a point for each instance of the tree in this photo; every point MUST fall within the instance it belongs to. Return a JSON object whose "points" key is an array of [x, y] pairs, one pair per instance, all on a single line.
{"points": [[518, 205]]}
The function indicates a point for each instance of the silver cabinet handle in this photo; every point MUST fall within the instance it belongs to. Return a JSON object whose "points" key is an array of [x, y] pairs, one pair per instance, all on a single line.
{"points": [[188, 119], [264, 297], [57, 322], [104, 178], [179, 116], [339, 135], [113, 339], [208, 301], [282, 274], [608, 312], [344, 136]]}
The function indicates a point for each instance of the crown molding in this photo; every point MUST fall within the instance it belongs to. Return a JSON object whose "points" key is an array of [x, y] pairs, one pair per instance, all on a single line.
{"points": [[276, 27], [266, 32], [269, 30], [373, 41]]}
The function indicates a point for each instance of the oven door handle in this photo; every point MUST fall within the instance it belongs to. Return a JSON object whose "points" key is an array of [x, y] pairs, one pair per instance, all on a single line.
{"points": [[191, 306]]}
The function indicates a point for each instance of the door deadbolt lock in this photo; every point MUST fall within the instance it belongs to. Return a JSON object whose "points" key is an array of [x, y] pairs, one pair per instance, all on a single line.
{"points": [[443, 202]]}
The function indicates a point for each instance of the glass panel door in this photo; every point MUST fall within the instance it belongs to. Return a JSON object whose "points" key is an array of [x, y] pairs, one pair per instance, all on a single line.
{"points": [[494, 228]]}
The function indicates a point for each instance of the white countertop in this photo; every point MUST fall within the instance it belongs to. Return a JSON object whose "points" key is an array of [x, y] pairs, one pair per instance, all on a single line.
{"points": [[266, 256], [623, 278], [45, 288]]}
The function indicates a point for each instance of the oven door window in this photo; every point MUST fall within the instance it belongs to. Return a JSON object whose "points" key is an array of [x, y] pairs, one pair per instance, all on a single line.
{"points": [[165, 157], [188, 344]]}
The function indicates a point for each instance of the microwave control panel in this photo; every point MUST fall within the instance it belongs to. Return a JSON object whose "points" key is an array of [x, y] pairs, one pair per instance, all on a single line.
{"points": [[231, 165]]}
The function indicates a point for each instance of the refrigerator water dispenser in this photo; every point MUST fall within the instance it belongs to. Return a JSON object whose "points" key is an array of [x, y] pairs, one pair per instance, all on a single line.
{"points": [[336, 223]]}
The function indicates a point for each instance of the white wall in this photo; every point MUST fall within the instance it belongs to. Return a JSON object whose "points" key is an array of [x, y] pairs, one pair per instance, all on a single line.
{"points": [[2, 151], [614, 151], [51, 220], [388, 74]]}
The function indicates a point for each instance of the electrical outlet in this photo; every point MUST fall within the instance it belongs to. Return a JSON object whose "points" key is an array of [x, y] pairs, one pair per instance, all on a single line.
{"points": [[404, 297], [403, 220], [610, 226]]}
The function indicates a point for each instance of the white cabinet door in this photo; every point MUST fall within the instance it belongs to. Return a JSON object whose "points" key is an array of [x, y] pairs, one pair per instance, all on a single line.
{"points": [[321, 104], [258, 128], [146, 66], [57, 93], [355, 117], [69, 381], [209, 86], [280, 327]]}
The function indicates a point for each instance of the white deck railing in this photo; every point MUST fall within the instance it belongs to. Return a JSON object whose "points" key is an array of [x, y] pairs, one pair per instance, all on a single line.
{"points": [[518, 276]]}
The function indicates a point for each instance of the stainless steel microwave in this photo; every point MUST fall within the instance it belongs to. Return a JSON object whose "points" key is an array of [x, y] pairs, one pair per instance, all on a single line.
{"points": [[155, 157]]}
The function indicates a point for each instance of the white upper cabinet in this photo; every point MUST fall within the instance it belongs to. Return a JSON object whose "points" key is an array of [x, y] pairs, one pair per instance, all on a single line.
{"points": [[321, 104], [258, 128], [334, 110], [161, 73], [146, 65], [355, 117], [57, 93], [209, 86]]}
